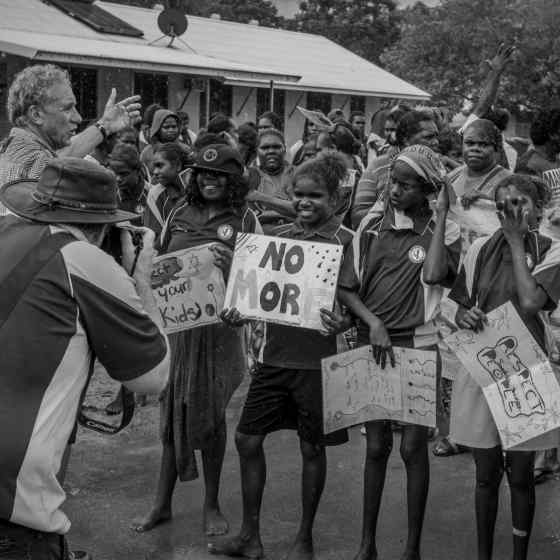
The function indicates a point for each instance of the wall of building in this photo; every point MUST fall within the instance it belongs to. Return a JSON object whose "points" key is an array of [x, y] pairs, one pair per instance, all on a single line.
{"points": [[244, 102]]}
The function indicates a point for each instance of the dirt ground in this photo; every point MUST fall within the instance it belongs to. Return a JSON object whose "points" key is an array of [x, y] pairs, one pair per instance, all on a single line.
{"points": [[111, 480]]}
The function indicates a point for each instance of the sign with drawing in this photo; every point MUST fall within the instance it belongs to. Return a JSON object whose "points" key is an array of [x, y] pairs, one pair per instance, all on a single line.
{"points": [[357, 390], [515, 376], [188, 288], [283, 280]]}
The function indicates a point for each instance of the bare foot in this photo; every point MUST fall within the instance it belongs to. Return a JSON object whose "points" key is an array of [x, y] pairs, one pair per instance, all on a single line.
{"points": [[301, 550], [155, 517], [246, 547], [366, 553], [215, 524]]}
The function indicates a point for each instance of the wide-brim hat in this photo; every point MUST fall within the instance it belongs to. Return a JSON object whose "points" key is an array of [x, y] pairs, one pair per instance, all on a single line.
{"points": [[220, 158], [70, 190]]}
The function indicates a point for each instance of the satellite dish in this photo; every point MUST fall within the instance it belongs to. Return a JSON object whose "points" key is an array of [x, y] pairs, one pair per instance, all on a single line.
{"points": [[172, 22]]}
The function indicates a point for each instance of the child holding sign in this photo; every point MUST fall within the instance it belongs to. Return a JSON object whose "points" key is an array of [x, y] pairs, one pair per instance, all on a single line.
{"points": [[498, 269], [208, 362], [286, 392], [382, 284]]}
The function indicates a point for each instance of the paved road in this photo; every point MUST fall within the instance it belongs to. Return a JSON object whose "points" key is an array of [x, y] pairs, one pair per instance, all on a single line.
{"points": [[112, 480]]}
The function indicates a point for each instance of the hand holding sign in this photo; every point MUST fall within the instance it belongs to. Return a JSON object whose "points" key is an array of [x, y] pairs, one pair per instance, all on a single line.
{"points": [[283, 280], [188, 288]]}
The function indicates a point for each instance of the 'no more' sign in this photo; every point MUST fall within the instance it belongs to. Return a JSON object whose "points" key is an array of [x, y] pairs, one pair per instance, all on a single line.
{"points": [[282, 280]]}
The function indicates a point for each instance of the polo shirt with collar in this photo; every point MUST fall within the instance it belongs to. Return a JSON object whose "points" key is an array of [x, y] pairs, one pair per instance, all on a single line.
{"points": [[384, 265], [294, 347], [23, 155], [61, 299], [189, 226]]}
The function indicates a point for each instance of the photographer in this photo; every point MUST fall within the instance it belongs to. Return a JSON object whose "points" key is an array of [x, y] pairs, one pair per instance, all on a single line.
{"points": [[63, 302]]}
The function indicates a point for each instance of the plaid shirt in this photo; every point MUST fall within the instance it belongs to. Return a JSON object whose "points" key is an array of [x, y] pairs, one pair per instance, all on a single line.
{"points": [[23, 155]]}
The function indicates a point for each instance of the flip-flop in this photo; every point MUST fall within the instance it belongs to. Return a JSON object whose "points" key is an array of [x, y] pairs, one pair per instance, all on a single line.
{"points": [[79, 555], [446, 448]]}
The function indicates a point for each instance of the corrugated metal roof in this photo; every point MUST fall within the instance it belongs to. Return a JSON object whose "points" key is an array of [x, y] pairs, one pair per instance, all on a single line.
{"points": [[323, 64], [243, 53], [49, 34]]}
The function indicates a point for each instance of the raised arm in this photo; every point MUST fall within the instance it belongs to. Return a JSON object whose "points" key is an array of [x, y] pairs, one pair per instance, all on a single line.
{"points": [[115, 118], [436, 266], [497, 65]]}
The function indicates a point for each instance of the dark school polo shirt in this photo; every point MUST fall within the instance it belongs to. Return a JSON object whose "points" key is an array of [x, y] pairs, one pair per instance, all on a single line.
{"points": [[189, 226], [385, 265], [486, 277], [295, 347]]}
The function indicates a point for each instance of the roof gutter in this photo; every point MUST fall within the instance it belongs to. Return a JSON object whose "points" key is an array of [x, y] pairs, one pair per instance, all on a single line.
{"points": [[422, 96]]}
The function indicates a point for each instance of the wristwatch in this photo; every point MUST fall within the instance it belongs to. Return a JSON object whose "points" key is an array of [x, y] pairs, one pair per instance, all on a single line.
{"points": [[101, 127]]}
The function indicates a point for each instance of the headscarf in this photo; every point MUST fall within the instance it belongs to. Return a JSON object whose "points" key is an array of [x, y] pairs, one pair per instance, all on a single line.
{"points": [[425, 163]]}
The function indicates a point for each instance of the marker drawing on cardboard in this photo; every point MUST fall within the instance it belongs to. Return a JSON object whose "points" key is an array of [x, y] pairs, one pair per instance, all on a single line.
{"points": [[188, 288], [283, 280], [515, 376], [357, 390]]}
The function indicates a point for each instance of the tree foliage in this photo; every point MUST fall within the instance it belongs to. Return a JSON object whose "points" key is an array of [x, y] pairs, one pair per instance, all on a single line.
{"points": [[242, 11], [366, 27], [442, 49]]}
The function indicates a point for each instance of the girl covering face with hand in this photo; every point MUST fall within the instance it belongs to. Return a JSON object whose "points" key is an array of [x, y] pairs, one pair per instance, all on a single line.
{"points": [[503, 268]]}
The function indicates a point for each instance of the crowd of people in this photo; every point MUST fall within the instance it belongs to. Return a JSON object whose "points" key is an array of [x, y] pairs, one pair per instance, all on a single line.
{"points": [[420, 205]]}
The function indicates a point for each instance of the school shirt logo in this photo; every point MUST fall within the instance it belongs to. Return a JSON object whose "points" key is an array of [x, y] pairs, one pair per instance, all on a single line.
{"points": [[225, 232], [417, 254], [210, 155]]}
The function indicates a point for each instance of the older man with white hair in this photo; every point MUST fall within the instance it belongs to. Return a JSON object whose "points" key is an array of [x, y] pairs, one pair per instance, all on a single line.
{"points": [[42, 108]]}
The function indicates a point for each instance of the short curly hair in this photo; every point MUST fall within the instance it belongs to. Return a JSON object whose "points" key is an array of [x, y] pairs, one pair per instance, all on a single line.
{"points": [[31, 87]]}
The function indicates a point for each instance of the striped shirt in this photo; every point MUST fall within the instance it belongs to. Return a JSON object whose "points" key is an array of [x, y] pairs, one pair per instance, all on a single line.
{"points": [[23, 155], [61, 300]]}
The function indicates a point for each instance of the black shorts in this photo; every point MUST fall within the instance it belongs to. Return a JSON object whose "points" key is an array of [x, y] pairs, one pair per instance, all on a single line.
{"points": [[287, 399], [21, 543]]}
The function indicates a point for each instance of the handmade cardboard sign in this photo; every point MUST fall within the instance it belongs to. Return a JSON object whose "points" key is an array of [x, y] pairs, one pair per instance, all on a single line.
{"points": [[283, 280], [515, 376], [357, 390], [188, 288]]}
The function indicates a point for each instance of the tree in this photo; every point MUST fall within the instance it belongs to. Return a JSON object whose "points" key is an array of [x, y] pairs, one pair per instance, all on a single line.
{"points": [[242, 11], [364, 27], [442, 49]]}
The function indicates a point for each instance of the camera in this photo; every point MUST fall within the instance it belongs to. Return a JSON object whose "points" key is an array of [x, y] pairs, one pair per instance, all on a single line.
{"points": [[112, 242]]}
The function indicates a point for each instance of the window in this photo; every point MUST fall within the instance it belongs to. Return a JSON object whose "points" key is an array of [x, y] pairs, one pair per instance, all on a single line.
{"points": [[84, 85], [221, 101], [96, 17], [358, 103], [318, 101], [153, 88], [263, 102]]}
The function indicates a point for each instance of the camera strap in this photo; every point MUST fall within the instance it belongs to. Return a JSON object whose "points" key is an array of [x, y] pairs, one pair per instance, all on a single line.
{"points": [[127, 404]]}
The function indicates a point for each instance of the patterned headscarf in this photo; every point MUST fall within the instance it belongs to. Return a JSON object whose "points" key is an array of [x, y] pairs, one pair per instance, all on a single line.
{"points": [[425, 163]]}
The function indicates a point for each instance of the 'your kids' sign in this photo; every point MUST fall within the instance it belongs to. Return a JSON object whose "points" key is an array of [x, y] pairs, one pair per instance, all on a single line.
{"points": [[188, 289], [283, 280], [514, 374]]}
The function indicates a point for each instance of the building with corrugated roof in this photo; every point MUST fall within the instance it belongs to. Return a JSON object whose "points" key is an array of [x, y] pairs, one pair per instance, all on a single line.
{"points": [[214, 66]]}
